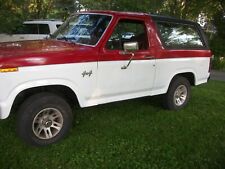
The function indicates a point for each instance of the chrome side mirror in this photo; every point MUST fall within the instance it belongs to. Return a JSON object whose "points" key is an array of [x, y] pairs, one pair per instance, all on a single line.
{"points": [[129, 49], [130, 46]]}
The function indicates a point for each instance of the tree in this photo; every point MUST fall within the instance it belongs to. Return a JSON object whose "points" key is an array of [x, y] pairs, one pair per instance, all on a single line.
{"points": [[123, 5], [39, 8], [14, 11], [11, 14]]}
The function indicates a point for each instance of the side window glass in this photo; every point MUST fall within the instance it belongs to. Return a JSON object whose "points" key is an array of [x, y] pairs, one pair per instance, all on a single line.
{"points": [[43, 29], [128, 31], [58, 25], [179, 36], [30, 29]]}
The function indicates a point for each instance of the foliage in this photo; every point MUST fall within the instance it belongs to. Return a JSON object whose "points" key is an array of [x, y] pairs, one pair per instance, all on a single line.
{"points": [[178, 8], [10, 14], [218, 49], [218, 63], [131, 134], [218, 41], [124, 5], [13, 12]]}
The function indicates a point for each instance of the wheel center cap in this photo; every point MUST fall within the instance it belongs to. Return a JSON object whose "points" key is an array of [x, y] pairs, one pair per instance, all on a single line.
{"points": [[47, 123]]}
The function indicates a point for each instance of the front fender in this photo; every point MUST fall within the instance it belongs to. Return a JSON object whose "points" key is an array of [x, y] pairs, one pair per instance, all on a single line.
{"points": [[6, 105]]}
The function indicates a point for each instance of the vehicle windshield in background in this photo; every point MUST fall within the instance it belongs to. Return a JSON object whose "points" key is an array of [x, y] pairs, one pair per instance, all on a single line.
{"points": [[84, 29]]}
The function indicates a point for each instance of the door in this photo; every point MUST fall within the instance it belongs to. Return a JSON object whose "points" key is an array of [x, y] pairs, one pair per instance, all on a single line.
{"points": [[123, 75]]}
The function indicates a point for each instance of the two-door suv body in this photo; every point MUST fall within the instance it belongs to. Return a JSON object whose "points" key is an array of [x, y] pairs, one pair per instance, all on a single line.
{"points": [[99, 57]]}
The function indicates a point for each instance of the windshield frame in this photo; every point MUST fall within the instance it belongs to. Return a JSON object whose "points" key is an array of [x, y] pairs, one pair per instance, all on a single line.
{"points": [[88, 13]]}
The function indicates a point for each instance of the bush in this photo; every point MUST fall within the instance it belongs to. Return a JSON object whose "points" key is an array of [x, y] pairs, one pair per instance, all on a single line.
{"points": [[218, 49], [217, 42], [218, 63]]}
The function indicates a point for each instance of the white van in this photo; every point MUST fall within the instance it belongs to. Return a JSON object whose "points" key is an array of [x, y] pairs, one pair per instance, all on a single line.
{"points": [[33, 30]]}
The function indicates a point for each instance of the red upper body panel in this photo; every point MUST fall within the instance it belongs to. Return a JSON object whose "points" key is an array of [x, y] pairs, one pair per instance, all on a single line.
{"points": [[47, 52], [44, 52]]}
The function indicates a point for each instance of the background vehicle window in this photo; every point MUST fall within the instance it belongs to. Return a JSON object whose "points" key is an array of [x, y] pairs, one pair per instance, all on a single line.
{"points": [[43, 29], [128, 31], [58, 25], [29, 29], [179, 36]]}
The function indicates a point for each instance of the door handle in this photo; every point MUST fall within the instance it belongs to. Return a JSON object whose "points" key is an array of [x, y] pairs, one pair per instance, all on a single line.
{"points": [[149, 57]]}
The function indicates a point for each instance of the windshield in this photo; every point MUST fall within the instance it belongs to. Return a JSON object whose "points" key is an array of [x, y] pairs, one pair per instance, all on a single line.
{"points": [[84, 29]]}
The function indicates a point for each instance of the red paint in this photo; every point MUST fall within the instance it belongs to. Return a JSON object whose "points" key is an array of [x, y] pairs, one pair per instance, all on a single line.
{"points": [[48, 52], [165, 54], [44, 52]]}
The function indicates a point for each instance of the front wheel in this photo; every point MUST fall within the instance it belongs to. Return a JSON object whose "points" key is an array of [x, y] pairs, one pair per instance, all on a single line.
{"points": [[178, 94], [44, 119]]}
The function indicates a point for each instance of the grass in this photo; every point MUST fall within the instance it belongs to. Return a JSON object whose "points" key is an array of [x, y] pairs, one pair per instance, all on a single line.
{"points": [[131, 134]]}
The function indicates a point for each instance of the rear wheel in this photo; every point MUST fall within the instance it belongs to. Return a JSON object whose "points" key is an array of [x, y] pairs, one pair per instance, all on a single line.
{"points": [[178, 93], [44, 119]]}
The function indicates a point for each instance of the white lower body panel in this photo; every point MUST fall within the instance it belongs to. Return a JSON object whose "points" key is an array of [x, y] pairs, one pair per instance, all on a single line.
{"points": [[101, 86]]}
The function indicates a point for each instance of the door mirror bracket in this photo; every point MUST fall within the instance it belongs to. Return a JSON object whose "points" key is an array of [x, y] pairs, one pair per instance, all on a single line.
{"points": [[129, 49]]}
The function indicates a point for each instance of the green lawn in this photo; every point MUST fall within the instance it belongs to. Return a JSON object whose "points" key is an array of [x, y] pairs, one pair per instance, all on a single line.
{"points": [[131, 134]]}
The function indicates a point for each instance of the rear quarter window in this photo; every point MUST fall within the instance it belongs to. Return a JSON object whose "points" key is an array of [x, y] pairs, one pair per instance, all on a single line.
{"points": [[29, 29], [180, 36], [44, 29], [58, 25]]}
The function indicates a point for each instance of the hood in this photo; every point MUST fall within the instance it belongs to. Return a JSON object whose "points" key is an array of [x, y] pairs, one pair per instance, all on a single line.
{"points": [[44, 52], [31, 47]]}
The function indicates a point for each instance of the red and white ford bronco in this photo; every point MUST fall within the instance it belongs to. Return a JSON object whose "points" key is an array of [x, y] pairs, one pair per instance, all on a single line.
{"points": [[99, 57]]}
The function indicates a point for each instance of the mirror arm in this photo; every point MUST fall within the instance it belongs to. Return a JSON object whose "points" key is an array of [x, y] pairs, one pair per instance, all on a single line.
{"points": [[129, 48], [131, 58]]}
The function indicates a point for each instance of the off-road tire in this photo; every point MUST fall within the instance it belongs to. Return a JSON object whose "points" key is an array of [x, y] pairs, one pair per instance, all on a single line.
{"points": [[171, 100], [44, 106]]}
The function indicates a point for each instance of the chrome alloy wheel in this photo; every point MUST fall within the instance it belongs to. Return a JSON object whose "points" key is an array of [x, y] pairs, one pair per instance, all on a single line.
{"points": [[180, 95], [47, 123]]}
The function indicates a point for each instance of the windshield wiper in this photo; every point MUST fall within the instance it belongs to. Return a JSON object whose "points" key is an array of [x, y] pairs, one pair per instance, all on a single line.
{"points": [[63, 38], [71, 39]]}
